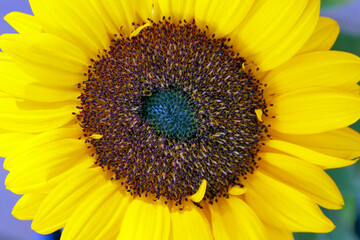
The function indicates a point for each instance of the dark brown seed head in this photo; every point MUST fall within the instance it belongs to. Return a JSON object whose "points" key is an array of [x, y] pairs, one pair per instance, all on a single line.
{"points": [[174, 107]]}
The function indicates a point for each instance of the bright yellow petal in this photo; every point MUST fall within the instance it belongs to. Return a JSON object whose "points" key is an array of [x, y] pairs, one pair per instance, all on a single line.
{"points": [[334, 69], [189, 223], [221, 16], [322, 160], [61, 202], [278, 234], [43, 163], [23, 23], [303, 176], [313, 110], [51, 60], [10, 141], [200, 193], [284, 207], [98, 216], [75, 21], [18, 84], [323, 37], [291, 43], [256, 31], [178, 10], [27, 206], [26, 146], [237, 190], [117, 16], [31, 117], [342, 143], [145, 220], [232, 219]]}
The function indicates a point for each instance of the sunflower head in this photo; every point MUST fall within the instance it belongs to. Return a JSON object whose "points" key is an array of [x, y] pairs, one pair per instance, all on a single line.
{"points": [[173, 106], [148, 119]]}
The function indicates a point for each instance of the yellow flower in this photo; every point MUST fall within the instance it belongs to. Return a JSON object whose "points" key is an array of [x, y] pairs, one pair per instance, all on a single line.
{"points": [[131, 120]]}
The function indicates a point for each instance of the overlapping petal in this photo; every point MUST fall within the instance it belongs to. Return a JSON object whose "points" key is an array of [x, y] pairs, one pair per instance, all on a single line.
{"points": [[313, 110], [304, 176], [24, 23], [99, 214], [281, 206], [332, 69], [233, 213], [27, 206], [145, 219], [221, 17], [323, 37], [46, 57], [189, 223], [61, 202], [76, 21]]}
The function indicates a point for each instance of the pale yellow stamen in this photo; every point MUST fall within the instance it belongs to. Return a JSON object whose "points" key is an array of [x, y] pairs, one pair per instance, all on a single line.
{"points": [[243, 66], [139, 29], [96, 136], [199, 195], [237, 190], [259, 114], [155, 9]]}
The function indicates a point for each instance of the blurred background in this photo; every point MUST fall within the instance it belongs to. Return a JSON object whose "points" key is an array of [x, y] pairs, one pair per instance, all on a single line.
{"points": [[347, 14]]}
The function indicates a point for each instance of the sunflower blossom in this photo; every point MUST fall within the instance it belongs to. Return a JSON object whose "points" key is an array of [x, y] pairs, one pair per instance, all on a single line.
{"points": [[180, 119]]}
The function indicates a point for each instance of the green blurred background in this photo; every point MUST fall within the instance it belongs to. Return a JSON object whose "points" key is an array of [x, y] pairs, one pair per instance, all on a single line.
{"points": [[347, 14]]}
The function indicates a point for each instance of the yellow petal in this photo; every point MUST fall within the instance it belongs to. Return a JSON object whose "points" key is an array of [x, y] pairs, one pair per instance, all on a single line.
{"points": [[61, 202], [146, 219], [291, 43], [32, 117], [98, 216], [75, 21], [96, 136], [199, 195], [10, 141], [303, 176], [23, 23], [334, 69], [278, 234], [27, 206], [283, 207], [189, 223], [117, 16], [221, 17], [36, 141], [237, 190], [51, 60], [322, 160], [139, 29], [259, 114], [256, 31], [43, 163], [314, 110], [18, 84], [178, 10], [232, 218], [323, 37], [342, 143]]}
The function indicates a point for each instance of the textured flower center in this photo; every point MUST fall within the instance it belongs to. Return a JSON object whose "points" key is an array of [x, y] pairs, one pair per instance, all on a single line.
{"points": [[170, 107], [169, 112]]}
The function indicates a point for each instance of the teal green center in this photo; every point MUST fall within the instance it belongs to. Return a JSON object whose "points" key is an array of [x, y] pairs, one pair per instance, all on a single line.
{"points": [[170, 113]]}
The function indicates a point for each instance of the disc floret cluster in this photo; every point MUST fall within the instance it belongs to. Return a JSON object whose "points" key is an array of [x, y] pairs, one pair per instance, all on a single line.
{"points": [[214, 134]]}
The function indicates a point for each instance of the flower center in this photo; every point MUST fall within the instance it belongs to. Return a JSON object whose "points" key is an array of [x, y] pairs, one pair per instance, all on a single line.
{"points": [[171, 107], [169, 112]]}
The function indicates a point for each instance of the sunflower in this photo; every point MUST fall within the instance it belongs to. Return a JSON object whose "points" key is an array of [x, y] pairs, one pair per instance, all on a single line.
{"points": [[176, 119]]}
